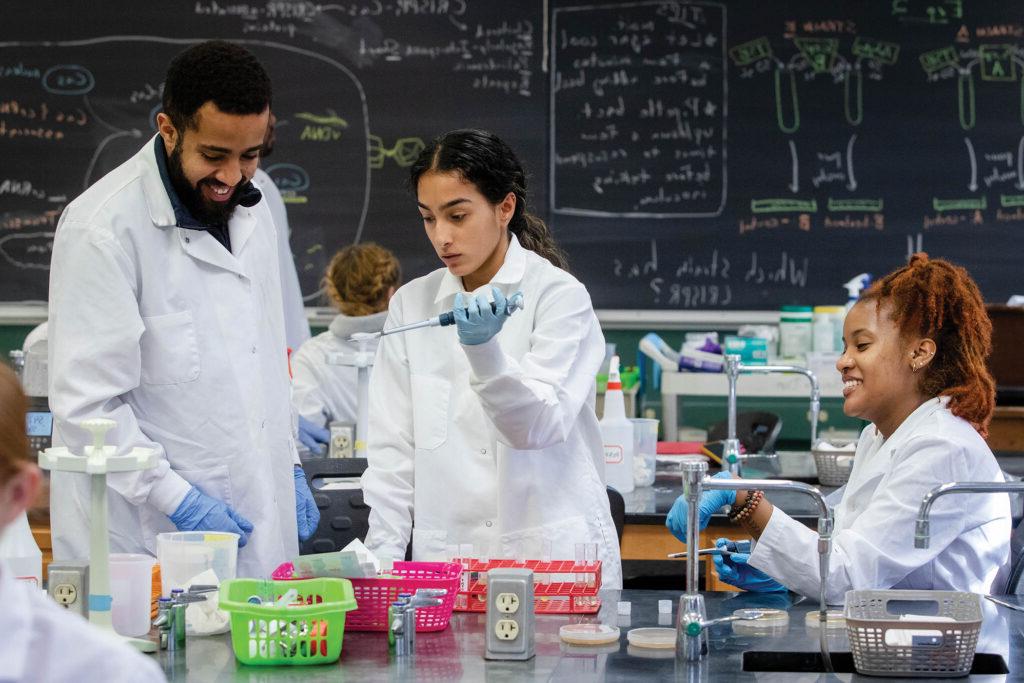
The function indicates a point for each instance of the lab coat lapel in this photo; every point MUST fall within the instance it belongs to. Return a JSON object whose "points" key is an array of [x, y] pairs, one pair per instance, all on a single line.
{"points": [[241, 226], [203, 246]]}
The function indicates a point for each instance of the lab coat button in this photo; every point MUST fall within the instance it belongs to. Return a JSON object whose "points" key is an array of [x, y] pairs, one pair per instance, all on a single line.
{"points": [[488, 524], [254, 349], [483, 451], [187, 240]]}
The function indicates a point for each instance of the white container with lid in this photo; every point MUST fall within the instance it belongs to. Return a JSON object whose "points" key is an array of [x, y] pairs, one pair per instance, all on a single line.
{"points": [[795, 331]]}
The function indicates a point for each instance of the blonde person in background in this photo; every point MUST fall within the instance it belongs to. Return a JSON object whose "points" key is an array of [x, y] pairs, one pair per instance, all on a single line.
{"points": [[359, 282], [41, 641]]}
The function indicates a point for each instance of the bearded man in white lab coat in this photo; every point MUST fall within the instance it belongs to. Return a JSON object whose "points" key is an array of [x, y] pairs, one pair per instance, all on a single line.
{"points": [[166, 316]]}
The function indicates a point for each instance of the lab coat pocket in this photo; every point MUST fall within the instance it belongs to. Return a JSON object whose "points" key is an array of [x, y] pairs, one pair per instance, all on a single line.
{"points": [[430, 397], [214, 481], [170, 351]]}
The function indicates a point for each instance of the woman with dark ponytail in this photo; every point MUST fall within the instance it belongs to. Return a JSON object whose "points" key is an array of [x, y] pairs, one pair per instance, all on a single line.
{"points": [[914, 366], [488, 436]]}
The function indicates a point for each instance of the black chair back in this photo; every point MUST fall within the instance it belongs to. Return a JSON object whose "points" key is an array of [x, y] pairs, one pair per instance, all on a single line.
{"points": [[756, 430], [344, 515], [618, 508]]}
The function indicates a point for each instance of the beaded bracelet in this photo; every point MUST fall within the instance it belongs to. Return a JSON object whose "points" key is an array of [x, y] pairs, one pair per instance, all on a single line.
{"points": [[746, 501], [749, 506]]}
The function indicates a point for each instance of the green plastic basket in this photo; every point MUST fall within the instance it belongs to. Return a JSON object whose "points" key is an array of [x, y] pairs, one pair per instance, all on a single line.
{"points": [[311, 633]]}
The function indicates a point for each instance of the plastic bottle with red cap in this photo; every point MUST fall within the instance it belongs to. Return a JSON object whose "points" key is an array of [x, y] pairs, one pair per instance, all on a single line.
{"points": [[617, 434]]}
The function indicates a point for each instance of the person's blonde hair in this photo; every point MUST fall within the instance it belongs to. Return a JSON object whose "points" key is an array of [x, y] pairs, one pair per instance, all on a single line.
{"points": [[15, 452], [359, 279]]}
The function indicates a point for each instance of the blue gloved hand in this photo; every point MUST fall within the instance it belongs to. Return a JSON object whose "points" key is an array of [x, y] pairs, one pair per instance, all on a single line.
{"points": [[710, 502], [200, 512], [734, 570], [307, 516], [475, 319], [312, 436]]}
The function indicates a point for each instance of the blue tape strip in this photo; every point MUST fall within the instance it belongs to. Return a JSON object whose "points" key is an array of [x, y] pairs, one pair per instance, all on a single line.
{"points": [[99, 603]]}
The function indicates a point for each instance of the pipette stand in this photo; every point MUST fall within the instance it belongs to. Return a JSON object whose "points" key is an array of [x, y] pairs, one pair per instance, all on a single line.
{"points": [[99, 459], [362, 360]]}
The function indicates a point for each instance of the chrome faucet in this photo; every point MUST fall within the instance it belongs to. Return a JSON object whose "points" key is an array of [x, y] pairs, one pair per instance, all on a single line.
{"points": [[922, 533], [691, 637], [403, 617], [732, 369]]}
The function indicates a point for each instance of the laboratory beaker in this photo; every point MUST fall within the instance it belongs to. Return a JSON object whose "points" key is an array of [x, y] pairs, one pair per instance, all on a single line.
{"points": [[131, 589], [645, 450], [183, 555]]}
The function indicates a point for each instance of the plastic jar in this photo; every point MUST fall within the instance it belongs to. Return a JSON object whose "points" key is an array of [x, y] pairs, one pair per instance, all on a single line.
{"points": [[795, 331], [827, 320]]}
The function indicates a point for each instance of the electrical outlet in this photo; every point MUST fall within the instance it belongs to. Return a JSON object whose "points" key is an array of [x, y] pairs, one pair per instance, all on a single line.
{"points": [[68, 585], [506, 629], [65, 594], [510, 616], [507, 603]]}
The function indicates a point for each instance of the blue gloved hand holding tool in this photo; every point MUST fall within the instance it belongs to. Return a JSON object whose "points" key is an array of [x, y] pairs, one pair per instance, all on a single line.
{"points": [[200, 512], [307, 516], [711, 501], [734, 570], [477, 320], [313, 436]]}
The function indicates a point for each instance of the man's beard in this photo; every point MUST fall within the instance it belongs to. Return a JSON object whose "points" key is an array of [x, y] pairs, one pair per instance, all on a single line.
{"points": [[202, 209]]}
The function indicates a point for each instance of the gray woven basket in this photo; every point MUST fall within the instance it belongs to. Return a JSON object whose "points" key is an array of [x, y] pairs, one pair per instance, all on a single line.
{"points": [[938, 649], [834, 467]]}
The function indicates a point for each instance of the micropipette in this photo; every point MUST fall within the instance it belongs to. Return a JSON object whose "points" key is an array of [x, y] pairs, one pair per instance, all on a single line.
{"points": [[512, 304]]}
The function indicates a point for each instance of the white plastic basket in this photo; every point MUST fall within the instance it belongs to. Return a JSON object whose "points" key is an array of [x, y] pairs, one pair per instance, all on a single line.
{"points": [[834, 466], [883, 644]]}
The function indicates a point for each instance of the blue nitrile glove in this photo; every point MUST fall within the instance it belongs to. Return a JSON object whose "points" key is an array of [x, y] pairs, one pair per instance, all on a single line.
{"points": [[312, 436], [711, 501], [200, 512], [307, 516], [734, 570], [475, 320]]}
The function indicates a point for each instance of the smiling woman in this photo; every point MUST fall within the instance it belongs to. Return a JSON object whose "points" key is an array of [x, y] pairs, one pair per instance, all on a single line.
{"points": [[914, 365]]}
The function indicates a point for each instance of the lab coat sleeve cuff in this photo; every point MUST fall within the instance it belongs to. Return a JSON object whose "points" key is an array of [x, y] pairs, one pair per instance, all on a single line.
{"points": [[168, 492], [486, 360]]}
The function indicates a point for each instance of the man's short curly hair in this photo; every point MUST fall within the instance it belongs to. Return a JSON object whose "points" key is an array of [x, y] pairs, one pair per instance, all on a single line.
{"points": [[226, 74]]}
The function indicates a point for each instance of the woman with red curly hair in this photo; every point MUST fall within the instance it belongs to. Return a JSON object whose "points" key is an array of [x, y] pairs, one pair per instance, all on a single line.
{"points": [[914, 366]]}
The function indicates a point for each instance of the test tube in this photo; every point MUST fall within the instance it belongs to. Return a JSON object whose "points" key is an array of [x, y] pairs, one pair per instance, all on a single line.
{"points": [[581, 559], [544, 578], [590, 554], [466, 552]]}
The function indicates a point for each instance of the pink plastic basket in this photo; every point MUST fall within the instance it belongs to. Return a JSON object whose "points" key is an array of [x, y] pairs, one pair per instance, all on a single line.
{"points": [[374, 596]]}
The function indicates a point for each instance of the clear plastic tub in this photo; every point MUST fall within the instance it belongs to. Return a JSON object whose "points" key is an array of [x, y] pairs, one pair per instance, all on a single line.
{"points": [[645, 447], [131, 587], [184, 555]]}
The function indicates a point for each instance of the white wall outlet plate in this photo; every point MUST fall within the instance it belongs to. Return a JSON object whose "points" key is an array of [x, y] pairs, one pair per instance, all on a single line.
{"points": [[510, 616]]}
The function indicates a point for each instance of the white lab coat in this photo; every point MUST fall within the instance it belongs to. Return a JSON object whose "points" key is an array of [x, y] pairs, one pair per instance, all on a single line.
{"points": [[323, 392], [296, 325], [495, 444], [182, 343], [44, 642], [873, 543]]}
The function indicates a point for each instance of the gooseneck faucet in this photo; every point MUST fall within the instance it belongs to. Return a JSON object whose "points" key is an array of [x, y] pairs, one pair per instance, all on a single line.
{"points": [[691, 637], [922, 532], [732, 369]]}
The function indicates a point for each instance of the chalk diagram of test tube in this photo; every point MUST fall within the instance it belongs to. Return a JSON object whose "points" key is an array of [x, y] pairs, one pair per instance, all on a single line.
{"points": [[997, 63], [817, 57]]}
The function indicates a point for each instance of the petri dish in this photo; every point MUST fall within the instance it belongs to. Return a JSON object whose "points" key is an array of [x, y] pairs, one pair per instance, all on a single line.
{"points": [[653, 638], [589, 634], [772, 622], [833, 619]]}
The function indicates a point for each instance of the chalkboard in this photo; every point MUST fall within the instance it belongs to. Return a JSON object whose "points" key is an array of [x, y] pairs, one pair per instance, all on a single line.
{"points": [[704, 155]]}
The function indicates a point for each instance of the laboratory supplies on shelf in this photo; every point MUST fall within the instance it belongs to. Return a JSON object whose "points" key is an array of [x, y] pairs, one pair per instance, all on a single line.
{"points": [[560, 586], [617, 434], [374, 595], [888, 642], [795, 328], [269, 634]]}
